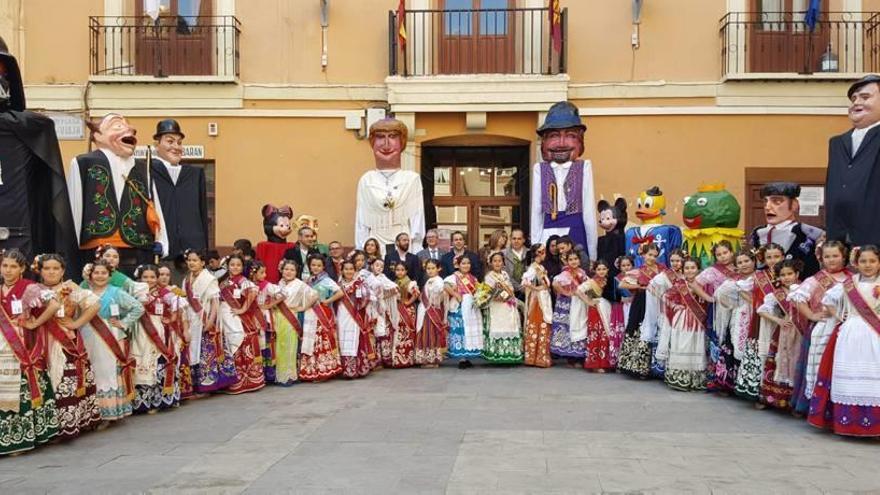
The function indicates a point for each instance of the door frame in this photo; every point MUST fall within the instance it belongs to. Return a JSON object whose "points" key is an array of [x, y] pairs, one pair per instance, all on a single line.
{"points": [[805, 176]]}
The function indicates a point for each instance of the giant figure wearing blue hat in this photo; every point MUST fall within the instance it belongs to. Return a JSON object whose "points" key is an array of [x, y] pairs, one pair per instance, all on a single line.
{"points": [[562, 197]]}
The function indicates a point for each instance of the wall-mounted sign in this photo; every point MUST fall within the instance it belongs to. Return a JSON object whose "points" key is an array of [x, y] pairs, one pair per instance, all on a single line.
{"points": [[190, 151], [68, 127]]}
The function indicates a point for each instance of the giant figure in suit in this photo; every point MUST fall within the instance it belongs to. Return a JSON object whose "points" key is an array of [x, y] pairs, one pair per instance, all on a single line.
{"points": [[852, 201]]}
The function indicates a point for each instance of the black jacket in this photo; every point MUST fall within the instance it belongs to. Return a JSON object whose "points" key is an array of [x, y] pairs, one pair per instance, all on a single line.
{"points": [[448, 260], [411, 261], [852, 201], [184, 206]]}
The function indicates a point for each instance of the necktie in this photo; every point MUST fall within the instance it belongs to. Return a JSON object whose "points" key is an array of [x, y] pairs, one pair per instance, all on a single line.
{"points": [[770, 234]]}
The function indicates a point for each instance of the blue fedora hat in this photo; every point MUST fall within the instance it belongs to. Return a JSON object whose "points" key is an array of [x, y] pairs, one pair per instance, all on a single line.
{"points": [[562, 115]]}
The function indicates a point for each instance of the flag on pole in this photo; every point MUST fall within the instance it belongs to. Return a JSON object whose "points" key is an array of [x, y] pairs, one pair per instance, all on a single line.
{"points": [[556, 25], [812, 14], [401, 23]]}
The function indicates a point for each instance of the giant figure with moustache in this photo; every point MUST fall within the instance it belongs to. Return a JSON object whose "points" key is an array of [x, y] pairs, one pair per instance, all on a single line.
{"points": [[112, 199], [562, 197]]}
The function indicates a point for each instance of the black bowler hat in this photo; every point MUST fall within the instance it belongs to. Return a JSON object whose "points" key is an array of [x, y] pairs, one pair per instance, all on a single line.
{"points": [[562, 115], [167, 126], [788, 189], [870, 78]]}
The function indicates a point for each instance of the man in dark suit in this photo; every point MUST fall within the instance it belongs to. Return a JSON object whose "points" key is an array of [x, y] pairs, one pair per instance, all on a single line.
{"points": [[305, 247], [182, 191], [401, 254], [459, 249], [853, 181], [432, 251]]}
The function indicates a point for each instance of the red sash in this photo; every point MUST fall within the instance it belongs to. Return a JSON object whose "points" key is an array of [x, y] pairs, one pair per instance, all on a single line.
{"points": [[431, 312], [123, 356], [365, 329], [825, 280], [29, 360], [646, 274], [866, 312], [466, 284], [291, 318], [727, 272], [680, 285], [166, 349], [405, 315], [763, 282], [253, 311], [191, 298], [74, 347]]}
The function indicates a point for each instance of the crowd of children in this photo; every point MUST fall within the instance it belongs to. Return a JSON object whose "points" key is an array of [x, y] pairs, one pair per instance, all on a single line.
{"points": [[80, 357]]}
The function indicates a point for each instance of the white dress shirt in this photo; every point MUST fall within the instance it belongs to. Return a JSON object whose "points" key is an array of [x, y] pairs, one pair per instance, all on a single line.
{"points": [[173, 170], [119, 170], [782, 234], [588, 202], [858, 135]]}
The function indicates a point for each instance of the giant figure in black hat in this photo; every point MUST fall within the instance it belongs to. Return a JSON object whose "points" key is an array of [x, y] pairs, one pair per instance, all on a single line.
{"points": [[182, 191], [798, 240], [34, 206], [852, 201], [562, 199]]}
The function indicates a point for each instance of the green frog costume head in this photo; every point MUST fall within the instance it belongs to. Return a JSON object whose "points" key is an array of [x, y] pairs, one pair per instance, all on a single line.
{"points": [[711, 215]]}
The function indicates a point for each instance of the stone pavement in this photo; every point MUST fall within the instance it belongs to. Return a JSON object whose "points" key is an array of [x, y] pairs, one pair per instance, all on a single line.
{"points": [[482, 430]]}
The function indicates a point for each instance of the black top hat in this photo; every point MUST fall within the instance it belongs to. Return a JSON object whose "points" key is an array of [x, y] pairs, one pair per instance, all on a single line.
{"points": [[15, 100], [870, 78], [787, 189], [562, 115], [168, 126]]}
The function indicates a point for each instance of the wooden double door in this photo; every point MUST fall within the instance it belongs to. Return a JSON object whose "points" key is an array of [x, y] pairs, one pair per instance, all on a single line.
{"points": [[180, 42], [780, 41], [476, 37]]}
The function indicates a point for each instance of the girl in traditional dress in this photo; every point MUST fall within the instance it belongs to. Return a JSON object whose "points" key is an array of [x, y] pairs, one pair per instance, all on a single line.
{"points": [[569, 332], [538, 309], [403, 339], [465, 322], [294, 297], [598, 357], [156, 375], [28, 417], [319, 359], [846, 398], [241, 321], [62, 308], [212, 366], [372, 251], [740, 361], [502, 335], [682, 343], [355, 347], [781, 320], [641, 334], [266, 297], [620, 306], [107, 339], [176, 321], [676, 264], [708, 281], [808, 297], [431, 326], [383, 312]]}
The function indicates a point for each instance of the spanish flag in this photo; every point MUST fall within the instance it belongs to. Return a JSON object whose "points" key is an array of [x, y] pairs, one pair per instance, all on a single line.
{"points": [[555, 24], [401, 23]]}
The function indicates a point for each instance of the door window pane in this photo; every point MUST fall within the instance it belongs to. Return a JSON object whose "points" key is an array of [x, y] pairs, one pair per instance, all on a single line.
{"points": [[452, 214], [493, 23], [458, 23], [474, 181], [443, 181], [505, 182], [497, 214]]}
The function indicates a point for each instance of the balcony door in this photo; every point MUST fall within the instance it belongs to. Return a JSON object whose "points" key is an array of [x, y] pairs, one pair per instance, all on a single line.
{"points": [[781, 42], [179, 42], [476, 190], [477, 37]]}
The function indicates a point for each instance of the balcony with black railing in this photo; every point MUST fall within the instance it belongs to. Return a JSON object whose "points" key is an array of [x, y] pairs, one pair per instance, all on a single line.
{"points": [[193, 47], [477, 41], [771, 44]]}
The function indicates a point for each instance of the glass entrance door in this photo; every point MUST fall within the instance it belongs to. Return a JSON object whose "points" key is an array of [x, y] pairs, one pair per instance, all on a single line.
{"points": [[476, 190]]}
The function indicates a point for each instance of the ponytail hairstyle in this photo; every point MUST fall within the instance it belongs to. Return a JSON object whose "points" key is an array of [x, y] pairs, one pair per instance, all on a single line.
{"points": [[253, 268], [867, 248], [436, 263], [839, 245], [202, 255], [283, 264], [101, 262], [41, 259], [794, 264], [770, 246], [647, 247]]}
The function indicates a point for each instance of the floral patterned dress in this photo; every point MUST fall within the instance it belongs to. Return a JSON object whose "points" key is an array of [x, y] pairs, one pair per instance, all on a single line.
{"points": [[502, 333], [319, 358], [569, 333], [242, 333], [539, 317]]}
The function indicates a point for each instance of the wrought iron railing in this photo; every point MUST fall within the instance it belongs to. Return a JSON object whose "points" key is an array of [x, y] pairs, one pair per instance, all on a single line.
{"points": [[476, 41], [782, 42], [168, 46]]}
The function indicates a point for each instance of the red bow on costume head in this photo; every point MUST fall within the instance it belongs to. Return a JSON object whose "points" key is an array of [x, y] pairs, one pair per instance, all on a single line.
{"points": [[282, 211], [648, 239]]}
